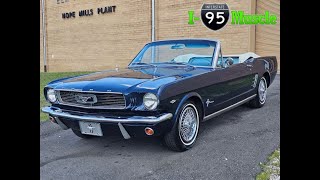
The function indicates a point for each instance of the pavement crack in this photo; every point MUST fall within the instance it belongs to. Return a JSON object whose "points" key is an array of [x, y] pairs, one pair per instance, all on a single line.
{"points": [[75, 155]]}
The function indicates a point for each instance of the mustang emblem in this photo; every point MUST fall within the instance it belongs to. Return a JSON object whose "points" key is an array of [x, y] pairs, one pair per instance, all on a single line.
{"points": [[209, 102], [86, 98]]}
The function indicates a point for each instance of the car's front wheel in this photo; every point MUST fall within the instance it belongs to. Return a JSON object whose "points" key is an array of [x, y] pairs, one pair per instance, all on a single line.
{"points": [[261, 97], [185, 130]]}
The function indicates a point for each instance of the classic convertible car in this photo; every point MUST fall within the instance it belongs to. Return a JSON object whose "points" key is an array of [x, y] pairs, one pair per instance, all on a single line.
{"points": [[167, 90]]}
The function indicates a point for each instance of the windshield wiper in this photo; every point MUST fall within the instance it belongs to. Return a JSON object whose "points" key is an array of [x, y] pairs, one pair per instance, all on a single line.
{"points": [[144, 64]]}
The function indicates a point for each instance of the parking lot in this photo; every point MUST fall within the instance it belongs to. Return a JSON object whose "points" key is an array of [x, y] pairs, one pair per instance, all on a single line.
{"points": [[229, 146]]}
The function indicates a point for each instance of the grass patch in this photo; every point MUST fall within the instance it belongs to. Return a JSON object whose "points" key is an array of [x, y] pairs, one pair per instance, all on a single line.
{"points": [[270, 169], [45, 78]]}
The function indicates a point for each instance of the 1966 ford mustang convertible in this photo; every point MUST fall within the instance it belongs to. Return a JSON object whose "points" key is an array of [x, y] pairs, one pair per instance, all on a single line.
{"points": [[167, 90]]}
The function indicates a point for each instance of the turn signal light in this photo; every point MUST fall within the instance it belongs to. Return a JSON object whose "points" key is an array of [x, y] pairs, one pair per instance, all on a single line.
{"points": [[149, 131]]}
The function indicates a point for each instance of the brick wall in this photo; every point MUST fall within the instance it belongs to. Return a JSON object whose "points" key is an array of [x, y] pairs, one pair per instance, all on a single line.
{"points": [[96, 42], [103, 41], [268, 37]]}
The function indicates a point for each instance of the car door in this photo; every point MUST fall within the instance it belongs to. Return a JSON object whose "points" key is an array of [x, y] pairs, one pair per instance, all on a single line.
{"points": [[232, 84], [239, 79]]}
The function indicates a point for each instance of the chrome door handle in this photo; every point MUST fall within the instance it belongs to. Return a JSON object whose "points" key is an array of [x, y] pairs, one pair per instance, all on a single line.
{"points": [[249, 65]]}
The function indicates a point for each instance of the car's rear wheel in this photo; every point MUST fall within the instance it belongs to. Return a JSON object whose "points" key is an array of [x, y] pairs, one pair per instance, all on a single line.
{"points": [[79, 134], [185, 130], [261, 97]]}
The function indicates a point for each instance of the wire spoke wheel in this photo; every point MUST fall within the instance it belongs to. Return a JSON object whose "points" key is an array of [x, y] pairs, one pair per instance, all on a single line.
{"points": [[262, 90], [188, 124]]}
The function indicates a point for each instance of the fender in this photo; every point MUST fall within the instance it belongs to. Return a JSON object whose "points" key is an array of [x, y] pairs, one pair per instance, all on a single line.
{"points": [[183, 100], [270, 66], [267, 67], [58, 80]]}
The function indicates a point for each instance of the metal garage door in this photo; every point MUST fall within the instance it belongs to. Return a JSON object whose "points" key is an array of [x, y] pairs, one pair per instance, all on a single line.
{"points": [[268, 36]]}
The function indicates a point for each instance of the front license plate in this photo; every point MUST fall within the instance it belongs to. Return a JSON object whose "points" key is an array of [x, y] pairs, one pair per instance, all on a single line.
{"points": [[90, 128]]}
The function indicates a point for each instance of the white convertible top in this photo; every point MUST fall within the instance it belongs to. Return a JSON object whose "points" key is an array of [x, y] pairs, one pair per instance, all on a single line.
{"points": [[244, 56]]}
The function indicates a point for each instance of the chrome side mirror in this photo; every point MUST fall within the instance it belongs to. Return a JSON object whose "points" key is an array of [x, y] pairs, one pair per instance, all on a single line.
{"points": [[228, 62]]}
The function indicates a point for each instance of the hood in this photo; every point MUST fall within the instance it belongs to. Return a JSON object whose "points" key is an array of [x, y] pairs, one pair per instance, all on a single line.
{"points": [[128, 79]]}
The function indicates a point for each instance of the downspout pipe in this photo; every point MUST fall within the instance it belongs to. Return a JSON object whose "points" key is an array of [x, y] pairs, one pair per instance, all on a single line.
{"points": [[153, 21], [44, 37], [152, 30]]}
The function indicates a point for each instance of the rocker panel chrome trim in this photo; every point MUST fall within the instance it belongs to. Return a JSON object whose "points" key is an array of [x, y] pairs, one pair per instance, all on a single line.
{"points": [[228, 108]]}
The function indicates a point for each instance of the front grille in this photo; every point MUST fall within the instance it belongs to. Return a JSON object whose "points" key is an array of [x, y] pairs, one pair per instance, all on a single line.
{"points": [[102, 100]]}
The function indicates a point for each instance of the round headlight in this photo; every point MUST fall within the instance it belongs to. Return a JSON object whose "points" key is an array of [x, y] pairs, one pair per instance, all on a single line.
{"points": [[51, 95], [150, 101]]}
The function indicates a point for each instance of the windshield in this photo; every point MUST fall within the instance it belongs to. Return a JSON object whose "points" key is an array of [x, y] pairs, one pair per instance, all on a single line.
{"points": [[183, 52]]}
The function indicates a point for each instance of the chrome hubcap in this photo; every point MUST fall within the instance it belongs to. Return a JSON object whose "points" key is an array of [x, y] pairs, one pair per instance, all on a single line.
{"points": [[262, 90], [188, 126]]}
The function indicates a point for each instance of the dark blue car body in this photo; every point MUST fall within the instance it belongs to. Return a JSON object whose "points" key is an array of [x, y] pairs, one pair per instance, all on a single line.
{"points": [[214, 89]]}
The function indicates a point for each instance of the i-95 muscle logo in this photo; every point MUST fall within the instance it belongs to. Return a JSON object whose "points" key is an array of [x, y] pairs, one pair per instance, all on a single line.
{"points": [[216, 16]]}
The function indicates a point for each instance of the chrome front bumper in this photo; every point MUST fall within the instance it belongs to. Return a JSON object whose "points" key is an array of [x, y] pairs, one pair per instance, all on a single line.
{"points": [[56, 112]]}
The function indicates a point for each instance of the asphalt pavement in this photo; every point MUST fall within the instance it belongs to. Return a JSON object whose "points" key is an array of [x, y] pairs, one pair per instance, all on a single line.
{"points": [[229, 146]]}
